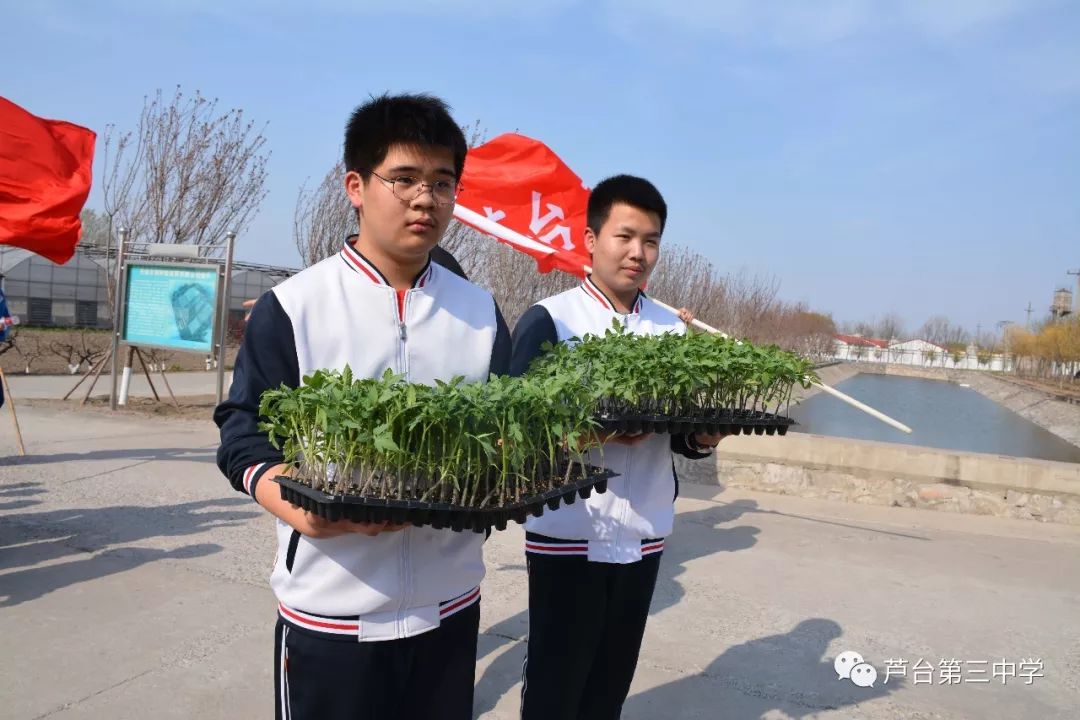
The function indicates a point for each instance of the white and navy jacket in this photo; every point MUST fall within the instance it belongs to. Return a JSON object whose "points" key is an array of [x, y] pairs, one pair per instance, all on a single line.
{"points": [[636, 513], [340, 312]]}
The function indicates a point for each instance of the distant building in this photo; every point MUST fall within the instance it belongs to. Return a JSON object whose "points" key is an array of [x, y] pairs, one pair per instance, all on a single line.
{"points": [[43, 293], [76, 294], [857, 347], [916, 352]]}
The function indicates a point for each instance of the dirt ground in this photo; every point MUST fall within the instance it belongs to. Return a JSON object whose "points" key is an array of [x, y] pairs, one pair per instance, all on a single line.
{"points": [[194, 407], [51, 351]]}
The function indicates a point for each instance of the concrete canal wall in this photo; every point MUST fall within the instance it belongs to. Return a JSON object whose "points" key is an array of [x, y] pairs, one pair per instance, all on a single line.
{"points": [[878, 473]]}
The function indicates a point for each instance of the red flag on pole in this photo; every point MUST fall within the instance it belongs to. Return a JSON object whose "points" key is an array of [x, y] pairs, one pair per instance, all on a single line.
{"points": [[518, 190], [45, 172]]}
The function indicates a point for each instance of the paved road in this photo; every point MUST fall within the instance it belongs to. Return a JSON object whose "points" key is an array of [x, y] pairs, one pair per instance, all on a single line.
{"points": [[132, 585]]}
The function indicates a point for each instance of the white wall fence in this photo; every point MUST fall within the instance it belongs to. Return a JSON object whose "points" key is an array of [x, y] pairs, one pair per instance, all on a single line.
{"points": [[925, 358]]}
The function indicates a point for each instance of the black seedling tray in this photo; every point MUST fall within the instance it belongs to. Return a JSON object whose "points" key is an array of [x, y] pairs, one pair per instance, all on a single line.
{"points": [[713, 422], [439, 515]]}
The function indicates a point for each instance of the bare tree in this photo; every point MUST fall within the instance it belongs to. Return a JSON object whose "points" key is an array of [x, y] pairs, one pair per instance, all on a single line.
{"points": [[685, 278], [30, 347], [889, 327], [76, 347], [95, 229], [748, 305], [987, 340], [468, 246], [803, 331], [512, 278], [156, 358], [188, 174], [940, 331], [862, 328], [740, 304], [323, 217]]}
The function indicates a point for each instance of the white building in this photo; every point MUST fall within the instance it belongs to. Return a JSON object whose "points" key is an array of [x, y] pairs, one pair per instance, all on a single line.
{"points": [[859, 348], [917, 352]]}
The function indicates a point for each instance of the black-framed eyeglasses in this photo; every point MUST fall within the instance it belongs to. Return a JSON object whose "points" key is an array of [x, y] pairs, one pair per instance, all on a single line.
{"points": [[407, 188]]}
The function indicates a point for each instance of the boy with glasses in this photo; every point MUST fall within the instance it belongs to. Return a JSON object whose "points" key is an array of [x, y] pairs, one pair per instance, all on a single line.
{"points": [[374, 621]]}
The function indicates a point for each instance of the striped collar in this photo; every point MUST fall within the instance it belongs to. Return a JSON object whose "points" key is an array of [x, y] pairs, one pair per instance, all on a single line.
{"points": [[363, 267], [598, 295]]}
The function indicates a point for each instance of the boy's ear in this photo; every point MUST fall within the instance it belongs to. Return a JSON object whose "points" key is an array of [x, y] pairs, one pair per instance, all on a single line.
{"points": [[354, 188], [590, 240]]}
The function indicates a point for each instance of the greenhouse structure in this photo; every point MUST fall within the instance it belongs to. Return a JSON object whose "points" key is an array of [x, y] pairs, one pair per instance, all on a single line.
{"points": [[76, 294]]}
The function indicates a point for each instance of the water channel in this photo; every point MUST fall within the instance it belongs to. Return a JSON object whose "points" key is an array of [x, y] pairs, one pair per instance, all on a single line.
{"points": [[941, 414]]}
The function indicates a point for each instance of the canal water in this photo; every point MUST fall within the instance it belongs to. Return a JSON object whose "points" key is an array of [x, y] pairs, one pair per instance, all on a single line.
{"points": [[941, 415]]}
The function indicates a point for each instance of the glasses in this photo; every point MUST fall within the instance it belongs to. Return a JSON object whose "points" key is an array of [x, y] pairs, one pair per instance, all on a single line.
{"points": [[407, 189]]}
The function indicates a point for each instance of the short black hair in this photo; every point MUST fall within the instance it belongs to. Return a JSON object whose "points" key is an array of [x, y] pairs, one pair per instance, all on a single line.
{"points": [[419, 120], [634, 191]]}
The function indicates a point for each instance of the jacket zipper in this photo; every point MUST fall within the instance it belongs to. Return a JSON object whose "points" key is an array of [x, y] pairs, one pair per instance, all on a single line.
{"points": [[403, 368], [403, 335], [629, 475]]}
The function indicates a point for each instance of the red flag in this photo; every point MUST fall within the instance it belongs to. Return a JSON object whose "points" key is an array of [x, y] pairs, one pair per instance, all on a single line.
{"points": [[45, 172], [517, 183]]}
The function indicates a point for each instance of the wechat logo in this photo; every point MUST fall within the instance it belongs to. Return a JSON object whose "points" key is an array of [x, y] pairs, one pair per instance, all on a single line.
{"points": [[851, 666]]}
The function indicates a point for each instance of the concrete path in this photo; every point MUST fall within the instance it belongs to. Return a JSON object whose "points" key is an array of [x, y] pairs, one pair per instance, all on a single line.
{"points": [[133, 585]]}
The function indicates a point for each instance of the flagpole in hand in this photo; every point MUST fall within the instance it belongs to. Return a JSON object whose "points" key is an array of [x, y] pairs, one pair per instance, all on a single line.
{"points": [[533, 247], [11, 406]]}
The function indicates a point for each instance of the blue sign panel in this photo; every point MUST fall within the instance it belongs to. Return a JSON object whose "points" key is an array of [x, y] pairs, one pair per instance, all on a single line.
{"points": [[171, 306]]}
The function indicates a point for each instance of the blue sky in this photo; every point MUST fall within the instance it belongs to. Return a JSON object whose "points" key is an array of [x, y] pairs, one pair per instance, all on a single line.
{"points": [[921, 157]]}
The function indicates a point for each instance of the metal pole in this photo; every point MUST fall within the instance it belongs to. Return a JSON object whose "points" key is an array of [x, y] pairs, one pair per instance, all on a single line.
{"points": [[142, 361], [169, 387], [93, 382], [122, 236], [92, 371], [223, 318]]}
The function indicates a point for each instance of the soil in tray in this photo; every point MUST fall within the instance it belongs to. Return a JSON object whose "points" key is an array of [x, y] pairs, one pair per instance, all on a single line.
{"points": [[713, 423]]}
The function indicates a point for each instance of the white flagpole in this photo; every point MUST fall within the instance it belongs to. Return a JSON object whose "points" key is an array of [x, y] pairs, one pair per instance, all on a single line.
{"points": [[489, 226]]}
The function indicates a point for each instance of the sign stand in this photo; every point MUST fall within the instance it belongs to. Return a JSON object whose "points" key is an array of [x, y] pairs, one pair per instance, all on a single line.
{"points": [[177, 303], [95, 370], [166, 381]]}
